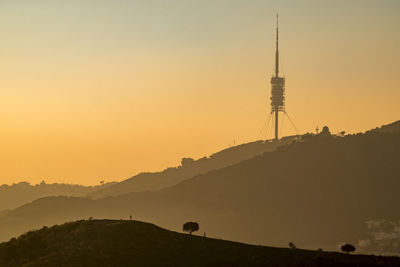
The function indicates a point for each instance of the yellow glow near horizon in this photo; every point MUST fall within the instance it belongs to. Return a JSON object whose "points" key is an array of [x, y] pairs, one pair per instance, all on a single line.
{"points": [[98, 91]]}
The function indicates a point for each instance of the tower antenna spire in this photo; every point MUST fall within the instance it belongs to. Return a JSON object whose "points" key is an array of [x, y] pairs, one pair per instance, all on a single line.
{"points": [[277, 49], [278, 88]]}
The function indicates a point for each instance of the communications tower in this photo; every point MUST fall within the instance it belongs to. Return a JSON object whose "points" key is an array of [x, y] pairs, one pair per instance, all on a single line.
{"points": [[277, 88]]}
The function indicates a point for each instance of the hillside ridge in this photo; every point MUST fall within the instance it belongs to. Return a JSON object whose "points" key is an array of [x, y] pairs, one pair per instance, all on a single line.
{"points": [[334, 186], [153, 181], [135, 243]]}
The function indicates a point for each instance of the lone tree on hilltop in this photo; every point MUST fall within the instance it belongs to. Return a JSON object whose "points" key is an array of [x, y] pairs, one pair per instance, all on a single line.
{"points": [[191, 227], [187, 162], [292, 245], [325, 131], [348, 248]]}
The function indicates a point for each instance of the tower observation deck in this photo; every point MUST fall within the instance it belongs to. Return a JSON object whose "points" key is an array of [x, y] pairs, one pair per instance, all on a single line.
{"points": [[277, 88]]}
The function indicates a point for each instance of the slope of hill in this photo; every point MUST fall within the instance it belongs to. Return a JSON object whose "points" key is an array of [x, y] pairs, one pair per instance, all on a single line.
{"points": [[392, 127], [189, 168], [133, 243], [15, 195], [318, 192]]}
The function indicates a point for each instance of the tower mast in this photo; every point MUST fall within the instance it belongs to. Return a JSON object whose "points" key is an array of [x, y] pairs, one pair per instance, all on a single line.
{"points": [[277, 49], [278, 87]]}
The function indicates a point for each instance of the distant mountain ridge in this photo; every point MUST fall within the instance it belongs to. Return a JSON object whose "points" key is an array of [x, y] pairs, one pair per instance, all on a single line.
{"points": [[15, 195], [189, 168], [133, 243], [318, 192]]}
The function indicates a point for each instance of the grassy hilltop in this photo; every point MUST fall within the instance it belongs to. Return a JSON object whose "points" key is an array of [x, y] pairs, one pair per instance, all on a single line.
{"points": [[134, 243]]}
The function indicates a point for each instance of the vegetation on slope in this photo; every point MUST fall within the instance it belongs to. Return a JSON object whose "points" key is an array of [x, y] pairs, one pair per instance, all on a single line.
{"points": [[132, 243]]}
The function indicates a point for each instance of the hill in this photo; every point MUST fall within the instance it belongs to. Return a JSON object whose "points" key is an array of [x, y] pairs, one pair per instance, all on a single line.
{"points": [[189, 168], [319, 192], [133, 243], [392, 127], [15, 195]]}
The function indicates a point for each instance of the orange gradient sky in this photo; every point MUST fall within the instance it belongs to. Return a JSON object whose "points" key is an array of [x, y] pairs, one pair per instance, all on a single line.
{"points": [[102, 90]]}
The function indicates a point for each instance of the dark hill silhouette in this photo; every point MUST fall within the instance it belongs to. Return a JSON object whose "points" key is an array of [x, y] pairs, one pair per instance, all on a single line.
{"points": [[132, 243], [171, 176], [392, 127], [189, 168], [15, 195], [317, 192]]}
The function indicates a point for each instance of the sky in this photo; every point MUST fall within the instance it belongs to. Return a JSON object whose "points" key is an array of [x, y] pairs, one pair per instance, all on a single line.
{"points": [[102, 90]]}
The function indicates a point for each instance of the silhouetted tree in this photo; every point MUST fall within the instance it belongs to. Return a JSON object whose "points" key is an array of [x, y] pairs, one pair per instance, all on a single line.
{"points": [[187, 162], [191, 227], [292, 245], [348, 248], [325, 131]]}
